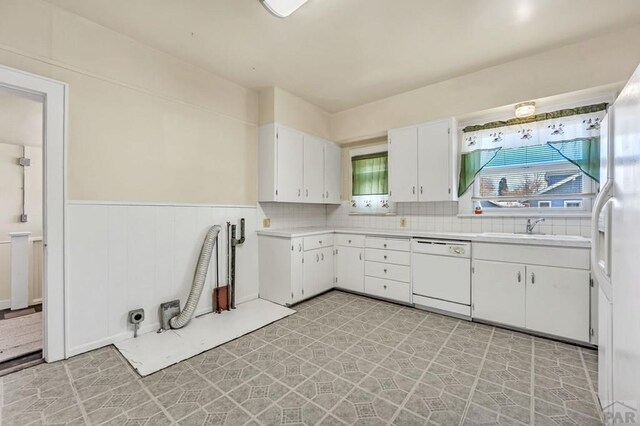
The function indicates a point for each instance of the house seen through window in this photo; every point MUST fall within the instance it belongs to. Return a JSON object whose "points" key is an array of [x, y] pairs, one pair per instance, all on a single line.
{"points": [[532, 177]]}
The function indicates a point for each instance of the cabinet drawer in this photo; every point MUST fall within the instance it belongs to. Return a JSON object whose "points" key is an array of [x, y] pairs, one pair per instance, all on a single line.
{"points": [[349, 240], [388, 244], [388, 289], [318, 241], [388, 271], [388, 256]]}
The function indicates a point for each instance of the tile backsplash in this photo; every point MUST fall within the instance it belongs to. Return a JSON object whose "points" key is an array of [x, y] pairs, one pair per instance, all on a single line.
{"points": [[441, 216], [292, 215]]}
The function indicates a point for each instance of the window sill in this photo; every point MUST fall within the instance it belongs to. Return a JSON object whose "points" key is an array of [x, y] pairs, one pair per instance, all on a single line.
{"points": [[526, 215], [371, 214]]}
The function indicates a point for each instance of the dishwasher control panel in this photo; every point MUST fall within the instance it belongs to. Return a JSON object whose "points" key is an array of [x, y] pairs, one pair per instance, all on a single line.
{"points": [[441, 247]]}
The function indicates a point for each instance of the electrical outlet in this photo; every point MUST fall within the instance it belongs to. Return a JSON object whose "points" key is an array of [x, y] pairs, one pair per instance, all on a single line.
{"points": [[266, 222], [403, 222]]}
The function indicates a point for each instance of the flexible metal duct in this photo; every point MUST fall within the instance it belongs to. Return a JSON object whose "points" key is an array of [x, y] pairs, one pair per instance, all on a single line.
{"points": [[199, 277]]}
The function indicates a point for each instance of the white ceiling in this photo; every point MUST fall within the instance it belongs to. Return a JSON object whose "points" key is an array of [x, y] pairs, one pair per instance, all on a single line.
{"points": [[21, 118], [342, 53]]}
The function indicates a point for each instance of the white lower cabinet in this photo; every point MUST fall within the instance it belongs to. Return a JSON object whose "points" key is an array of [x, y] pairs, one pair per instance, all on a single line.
{"points": [[499, 292], [350, 268], [558, 301], [548, 291], [289, 274]]}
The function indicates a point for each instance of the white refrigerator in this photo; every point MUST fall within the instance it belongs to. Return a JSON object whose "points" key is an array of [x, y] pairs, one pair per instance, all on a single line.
{"points": [[616, 258]]}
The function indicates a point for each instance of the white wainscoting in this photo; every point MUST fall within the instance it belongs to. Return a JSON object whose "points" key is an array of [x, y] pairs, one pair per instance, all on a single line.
{"points": [[123, 256]]}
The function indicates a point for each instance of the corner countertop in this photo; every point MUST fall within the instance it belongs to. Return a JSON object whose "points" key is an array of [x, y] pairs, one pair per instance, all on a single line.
{"points": [[483, 237]]}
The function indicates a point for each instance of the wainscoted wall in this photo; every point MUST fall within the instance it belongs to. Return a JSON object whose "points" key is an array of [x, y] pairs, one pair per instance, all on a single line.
{"points": [[123, 256], [443, 217], [292, 215], [35, 272]]}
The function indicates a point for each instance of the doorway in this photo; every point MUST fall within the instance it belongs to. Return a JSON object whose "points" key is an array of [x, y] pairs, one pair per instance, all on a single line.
{"points": [[21, 227], [37, 206]]}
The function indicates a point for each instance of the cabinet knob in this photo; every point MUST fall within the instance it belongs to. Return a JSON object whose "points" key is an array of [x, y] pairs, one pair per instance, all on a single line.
{"points": [[360, 256], [385, 271], [414, 189], [327, 194], [322, 256], [298, 192], [519, 277], [385, 286], [317, 258], [533, 278], [320, 241], [349, 241], [384, 245], [307, 192], [421, 189], [385, 256]]}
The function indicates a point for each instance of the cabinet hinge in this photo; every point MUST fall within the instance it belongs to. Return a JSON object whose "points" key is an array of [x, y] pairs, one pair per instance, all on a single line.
{"points": [[336, 279], [336, 252], [291, 248], [303, 260], [473, 307], [449, 131], [303, 291], [591, 281], [592, 332], [276, 192], [473, 270], [292, 295]]}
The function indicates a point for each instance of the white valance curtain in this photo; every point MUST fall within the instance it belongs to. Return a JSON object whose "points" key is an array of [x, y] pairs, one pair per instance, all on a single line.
{"points": [[574, 133]]}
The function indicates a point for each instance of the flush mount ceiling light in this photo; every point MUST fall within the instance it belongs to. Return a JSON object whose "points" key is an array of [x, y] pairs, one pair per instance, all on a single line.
{"points": [[282, 8], [525, 109]]}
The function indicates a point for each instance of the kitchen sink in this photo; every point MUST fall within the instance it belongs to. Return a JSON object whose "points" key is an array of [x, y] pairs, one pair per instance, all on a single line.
{"points": [[535, 236]]}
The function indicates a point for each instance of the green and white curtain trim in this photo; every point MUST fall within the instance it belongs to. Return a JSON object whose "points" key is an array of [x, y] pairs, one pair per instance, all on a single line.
{"points": [[574, 133]]}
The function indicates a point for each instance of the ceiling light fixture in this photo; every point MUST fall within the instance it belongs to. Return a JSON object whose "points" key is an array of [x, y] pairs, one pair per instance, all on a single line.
{"points": [[282, 8], [525, 109]]}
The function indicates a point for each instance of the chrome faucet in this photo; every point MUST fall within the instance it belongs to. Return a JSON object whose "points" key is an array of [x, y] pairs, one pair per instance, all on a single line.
{"points": [[531, 224]]}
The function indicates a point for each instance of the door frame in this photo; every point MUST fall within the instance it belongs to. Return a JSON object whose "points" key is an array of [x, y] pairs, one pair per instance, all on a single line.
{"points": [[55, 95]]}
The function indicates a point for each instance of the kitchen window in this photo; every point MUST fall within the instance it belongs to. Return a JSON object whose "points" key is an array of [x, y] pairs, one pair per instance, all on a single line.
{"points": [[370, 180], [545, 164]]}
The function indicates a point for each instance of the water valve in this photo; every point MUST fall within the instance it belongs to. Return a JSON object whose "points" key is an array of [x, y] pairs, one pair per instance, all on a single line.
{"points": [[136, 317]]}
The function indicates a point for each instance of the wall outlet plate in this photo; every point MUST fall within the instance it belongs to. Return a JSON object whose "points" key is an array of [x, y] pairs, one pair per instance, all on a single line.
{"points": [[266, 222], [403, 222]]}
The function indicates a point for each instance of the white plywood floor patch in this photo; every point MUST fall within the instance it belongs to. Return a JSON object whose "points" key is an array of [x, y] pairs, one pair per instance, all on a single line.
{"points": [[153, 351]]}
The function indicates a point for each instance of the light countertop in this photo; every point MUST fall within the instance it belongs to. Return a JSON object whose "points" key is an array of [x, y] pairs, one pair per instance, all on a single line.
{"points": [[484, 237]]}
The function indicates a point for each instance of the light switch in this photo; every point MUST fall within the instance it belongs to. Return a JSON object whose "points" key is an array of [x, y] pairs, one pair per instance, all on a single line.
{"points": [[266, 222], [403, 222]]}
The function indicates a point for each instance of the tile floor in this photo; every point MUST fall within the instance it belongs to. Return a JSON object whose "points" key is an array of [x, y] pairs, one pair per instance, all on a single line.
{"points": [[342, 359]]}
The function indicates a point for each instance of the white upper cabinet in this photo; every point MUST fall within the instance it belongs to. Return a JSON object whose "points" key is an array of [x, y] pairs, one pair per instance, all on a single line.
{"points": [[423, 162], [313, 169], [290, 144], [403, 164], [332, 173], [437, 161], [294, 167]]}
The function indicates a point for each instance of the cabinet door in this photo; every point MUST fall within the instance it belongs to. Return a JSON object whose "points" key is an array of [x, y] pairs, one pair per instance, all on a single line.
{"points": [[313, 170], [434, 162], [558, 301], [350, 268], [499, 292], [326, 272], [311, 268], [403, 164], [290, 155], [332, 173], [297, 277]]}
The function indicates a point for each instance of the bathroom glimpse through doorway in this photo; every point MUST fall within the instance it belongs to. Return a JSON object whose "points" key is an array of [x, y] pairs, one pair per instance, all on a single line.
{"points": [[32, 218]]}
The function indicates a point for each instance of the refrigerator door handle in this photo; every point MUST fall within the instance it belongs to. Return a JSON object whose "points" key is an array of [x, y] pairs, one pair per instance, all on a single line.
{"points": [[601, 200]]}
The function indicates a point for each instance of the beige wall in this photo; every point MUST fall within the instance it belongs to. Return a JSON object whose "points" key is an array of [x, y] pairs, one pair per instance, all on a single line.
{"points": [[143, 126], [280, 106], [600, 61]]}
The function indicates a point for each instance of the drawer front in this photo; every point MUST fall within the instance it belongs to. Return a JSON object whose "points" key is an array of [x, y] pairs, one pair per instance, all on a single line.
{"points": [[388, 243], [318, 241], [388, 256], [388, 271], [562, 257], [388, 289], [349, 240]]}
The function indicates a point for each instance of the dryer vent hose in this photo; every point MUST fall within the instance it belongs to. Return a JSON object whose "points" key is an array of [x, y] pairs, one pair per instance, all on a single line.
{"points": [[199, 278]]}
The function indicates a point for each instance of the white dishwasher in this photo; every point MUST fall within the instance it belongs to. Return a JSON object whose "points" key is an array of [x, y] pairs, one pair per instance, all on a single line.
{"points": [[441, 275]]}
